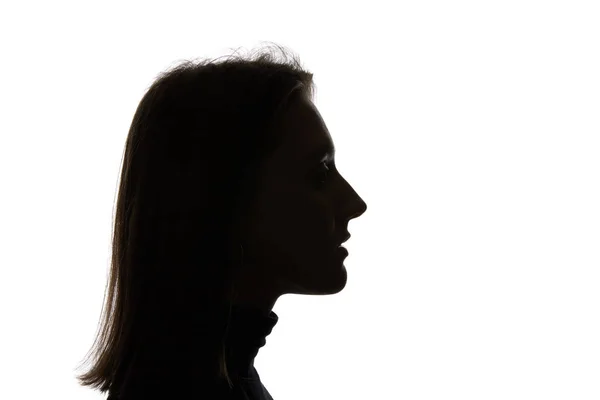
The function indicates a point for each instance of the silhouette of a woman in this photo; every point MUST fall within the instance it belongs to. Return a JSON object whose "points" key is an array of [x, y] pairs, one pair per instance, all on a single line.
{"points": [[229, 197]]}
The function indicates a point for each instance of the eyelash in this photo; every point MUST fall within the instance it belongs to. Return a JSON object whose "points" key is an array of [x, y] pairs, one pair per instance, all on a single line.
{"points": [[326, 170]]}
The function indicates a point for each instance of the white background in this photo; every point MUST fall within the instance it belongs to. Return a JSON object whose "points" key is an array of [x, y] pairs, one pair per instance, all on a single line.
{"points": [[470, 128]]}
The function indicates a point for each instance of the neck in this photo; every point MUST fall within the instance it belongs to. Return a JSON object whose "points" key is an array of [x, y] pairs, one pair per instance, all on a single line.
{"points": [[253, 293]]}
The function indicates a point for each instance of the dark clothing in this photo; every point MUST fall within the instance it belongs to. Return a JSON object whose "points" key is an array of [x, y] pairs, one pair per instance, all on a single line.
{"points": [[247, 332]]}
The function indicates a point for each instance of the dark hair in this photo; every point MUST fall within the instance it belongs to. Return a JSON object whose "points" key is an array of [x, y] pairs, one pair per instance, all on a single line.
{"points": [[189, 171]]}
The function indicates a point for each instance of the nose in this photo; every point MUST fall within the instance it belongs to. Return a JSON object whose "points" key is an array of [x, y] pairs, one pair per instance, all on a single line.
{"points": [[359, 208]]}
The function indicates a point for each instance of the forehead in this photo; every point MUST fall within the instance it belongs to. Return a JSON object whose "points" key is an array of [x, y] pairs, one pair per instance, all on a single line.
{"points": [[305, 136]]}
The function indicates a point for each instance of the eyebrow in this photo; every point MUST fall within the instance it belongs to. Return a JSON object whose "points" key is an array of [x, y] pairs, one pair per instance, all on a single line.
{"points": [[325, 152]]}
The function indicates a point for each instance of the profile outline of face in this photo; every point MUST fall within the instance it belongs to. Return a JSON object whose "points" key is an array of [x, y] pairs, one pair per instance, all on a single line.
{"points": [[300, 215]]}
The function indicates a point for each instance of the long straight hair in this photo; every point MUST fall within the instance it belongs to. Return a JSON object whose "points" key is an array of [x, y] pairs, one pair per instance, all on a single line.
{"points": [[190, 169]]}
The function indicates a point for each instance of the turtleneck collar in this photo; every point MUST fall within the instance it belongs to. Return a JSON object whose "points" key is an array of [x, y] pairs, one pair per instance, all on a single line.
{"points": [[247, 332]]}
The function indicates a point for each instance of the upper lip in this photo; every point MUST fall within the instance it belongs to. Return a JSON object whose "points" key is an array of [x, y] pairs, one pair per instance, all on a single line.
{"points": [[345, 238]]}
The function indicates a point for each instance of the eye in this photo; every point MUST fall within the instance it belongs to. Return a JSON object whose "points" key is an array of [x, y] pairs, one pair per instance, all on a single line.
{"points": [[322, 174]]}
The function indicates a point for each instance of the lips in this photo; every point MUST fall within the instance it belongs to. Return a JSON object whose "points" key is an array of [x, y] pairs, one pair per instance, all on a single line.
{"points": [[338, 248], [344, 238], [342, 251]]}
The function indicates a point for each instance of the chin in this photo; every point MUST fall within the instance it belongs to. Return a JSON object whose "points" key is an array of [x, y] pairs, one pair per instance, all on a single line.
{"points": [[326, 281], [335, 284], [340, 287]]}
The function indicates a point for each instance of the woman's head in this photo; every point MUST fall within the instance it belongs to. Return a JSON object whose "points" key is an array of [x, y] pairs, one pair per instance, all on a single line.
{"points": [[215, 162], [300, 214]]}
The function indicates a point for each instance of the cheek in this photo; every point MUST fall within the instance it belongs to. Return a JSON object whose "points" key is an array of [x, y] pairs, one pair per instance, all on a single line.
{"points": [[309, 222], [298, 225]]}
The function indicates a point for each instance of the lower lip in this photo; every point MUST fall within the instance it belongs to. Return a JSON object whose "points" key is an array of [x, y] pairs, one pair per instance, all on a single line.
{"points": [[342, 250]]}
